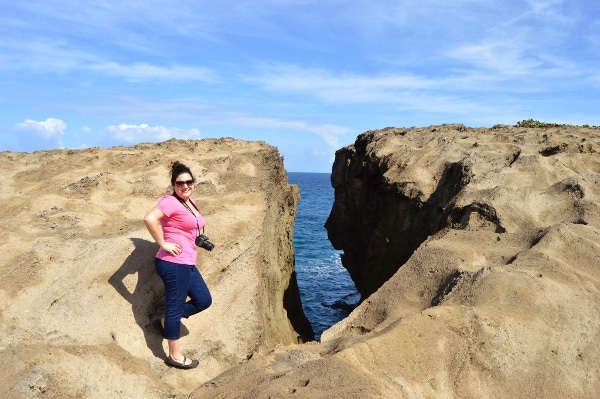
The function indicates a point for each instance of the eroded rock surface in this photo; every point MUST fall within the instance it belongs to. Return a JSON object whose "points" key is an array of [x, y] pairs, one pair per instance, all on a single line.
{"points": [[395, 188], [477, 253], [78, 288]]}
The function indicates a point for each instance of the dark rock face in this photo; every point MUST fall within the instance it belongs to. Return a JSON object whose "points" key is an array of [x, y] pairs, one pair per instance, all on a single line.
{"points": [[369, 222], [381, 214], [476, 252], [379, 223]]}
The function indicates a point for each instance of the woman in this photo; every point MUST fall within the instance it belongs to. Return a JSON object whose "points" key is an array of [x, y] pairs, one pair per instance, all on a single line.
{"points": [[174, 224]]}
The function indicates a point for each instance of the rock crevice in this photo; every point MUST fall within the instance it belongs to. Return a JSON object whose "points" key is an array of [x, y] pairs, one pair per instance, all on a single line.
{"points": [[77, 279]]}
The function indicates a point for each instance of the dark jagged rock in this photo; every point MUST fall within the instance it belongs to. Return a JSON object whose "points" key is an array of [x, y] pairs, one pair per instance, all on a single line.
{"points": [[476, 252]]}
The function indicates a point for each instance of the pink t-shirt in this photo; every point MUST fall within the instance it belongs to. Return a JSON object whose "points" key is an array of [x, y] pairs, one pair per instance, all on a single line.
{"points": [[179, 226]]}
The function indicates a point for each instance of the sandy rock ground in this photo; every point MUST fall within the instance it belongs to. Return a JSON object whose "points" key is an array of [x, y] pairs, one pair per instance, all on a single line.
{"points": [[498, 298], [78, 288], [498, 295]]}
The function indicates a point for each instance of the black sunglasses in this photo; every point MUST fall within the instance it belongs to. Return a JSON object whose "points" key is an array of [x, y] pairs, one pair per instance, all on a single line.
{"points": [[186, 182]]}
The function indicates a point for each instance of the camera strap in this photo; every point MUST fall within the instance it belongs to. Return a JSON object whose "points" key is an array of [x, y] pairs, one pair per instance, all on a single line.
{"points": [[190, 209]]}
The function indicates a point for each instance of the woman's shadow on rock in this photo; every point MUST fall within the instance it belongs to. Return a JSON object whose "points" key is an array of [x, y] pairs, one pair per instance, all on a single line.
{"points": [[147, 296]]}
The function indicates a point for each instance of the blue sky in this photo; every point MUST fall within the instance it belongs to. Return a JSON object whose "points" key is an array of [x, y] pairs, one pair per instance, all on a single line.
{"points": [[305, 76]]}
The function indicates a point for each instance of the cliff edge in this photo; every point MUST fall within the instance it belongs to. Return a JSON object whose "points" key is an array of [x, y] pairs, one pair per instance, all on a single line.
{"points": [[78, 288], [477, 254]]}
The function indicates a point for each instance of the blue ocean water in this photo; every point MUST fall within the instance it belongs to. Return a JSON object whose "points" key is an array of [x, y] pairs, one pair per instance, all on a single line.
{"points": [[328, 293]]}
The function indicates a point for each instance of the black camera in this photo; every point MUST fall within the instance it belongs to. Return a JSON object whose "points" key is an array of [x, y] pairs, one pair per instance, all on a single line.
{"points": [[202, 242]]}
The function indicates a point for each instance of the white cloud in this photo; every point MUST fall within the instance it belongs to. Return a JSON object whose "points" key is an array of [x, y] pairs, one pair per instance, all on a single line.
{"points": [[341, 88], [331, 134], [541, 5], [50, 128], [503, 58], [143, 132], [143, 71], [38, 135], [328, 132]]}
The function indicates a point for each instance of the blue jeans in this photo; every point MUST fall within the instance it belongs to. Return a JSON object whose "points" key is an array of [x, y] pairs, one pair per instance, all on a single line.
{"points": [[180, 282]]}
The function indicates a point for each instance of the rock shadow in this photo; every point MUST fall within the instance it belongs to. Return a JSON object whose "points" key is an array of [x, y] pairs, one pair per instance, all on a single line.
{"points": [[147, 296]]}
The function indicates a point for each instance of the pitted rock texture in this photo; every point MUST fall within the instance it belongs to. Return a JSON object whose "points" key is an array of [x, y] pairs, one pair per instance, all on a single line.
{"points": [[78, 289], [477, 252], [395, 188]]}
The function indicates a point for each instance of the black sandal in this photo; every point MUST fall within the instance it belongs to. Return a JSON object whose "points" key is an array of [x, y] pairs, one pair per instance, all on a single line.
{"points": [[182, 365]]}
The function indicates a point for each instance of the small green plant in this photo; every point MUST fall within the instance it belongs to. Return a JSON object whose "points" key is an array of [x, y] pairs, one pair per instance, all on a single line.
{"points": [[534, 124], [537, 124]]}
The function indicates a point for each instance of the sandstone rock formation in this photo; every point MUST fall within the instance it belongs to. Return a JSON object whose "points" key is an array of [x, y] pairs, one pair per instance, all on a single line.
{"points": [[477, 253], [77, 283], [402, 186]]}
